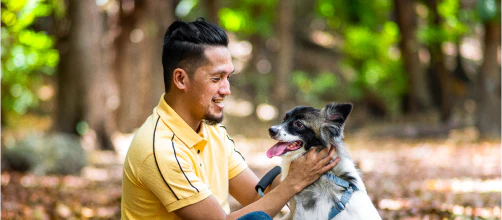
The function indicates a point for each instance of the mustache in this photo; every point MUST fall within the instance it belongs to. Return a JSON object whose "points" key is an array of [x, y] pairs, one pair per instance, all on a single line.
{"points": [[219, 97]]}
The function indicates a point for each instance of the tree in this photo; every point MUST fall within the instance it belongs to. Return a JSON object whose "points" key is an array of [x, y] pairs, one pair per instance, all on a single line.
{"points": [[82, 82], [212, 8], [417, 96], [438, 74], [28, 54], [374, 73], [138, 64], [488, 81], [285, 55]]}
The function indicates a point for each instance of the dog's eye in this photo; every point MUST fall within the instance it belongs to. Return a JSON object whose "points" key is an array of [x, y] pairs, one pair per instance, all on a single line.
{"points": [[298, 124]]}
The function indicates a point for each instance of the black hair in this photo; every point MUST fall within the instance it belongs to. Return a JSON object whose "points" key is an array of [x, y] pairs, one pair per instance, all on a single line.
{"points": [[184, 45]]}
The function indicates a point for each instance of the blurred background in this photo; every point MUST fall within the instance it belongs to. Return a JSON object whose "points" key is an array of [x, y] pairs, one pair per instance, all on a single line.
{"points": [[78, 77]]}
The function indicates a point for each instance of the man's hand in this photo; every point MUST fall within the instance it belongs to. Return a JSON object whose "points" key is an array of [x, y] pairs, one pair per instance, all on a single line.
{"points": [[309, 167]]}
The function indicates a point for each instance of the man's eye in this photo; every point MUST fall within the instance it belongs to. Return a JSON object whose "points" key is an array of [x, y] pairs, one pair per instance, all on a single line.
{"points": [[215, 79]]}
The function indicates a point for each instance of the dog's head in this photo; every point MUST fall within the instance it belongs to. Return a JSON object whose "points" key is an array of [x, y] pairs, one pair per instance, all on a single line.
{"points": [[307, 127]]}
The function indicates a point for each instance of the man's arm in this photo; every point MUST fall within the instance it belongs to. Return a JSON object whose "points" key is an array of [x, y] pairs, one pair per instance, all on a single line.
{"points": [[303, 171], [271, 203], [242, 187]]}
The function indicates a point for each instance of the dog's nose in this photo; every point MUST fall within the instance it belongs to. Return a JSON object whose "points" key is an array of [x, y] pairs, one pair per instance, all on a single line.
{"points": [[273, 131]]}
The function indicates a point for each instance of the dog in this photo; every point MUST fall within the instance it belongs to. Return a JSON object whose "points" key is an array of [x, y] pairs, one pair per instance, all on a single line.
{"points": [[304, 128]]}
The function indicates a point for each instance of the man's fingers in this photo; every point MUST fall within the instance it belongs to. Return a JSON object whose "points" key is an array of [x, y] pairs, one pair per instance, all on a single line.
{"points": [[331, 165], [329, 155], [335, 162], [325, 150], [332, 152]]}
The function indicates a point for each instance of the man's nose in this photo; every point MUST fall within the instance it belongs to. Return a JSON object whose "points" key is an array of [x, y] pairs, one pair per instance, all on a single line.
{"points": [[225, 88]]}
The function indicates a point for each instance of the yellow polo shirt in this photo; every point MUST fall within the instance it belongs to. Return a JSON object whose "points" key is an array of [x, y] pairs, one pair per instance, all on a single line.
{"points": [[169, 166]]}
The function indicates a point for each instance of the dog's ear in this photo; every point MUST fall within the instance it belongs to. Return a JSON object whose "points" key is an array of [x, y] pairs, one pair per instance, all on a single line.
{"points": [[336, 113], [334, 116]]}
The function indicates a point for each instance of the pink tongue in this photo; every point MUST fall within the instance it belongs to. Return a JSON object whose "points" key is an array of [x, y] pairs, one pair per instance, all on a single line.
{"points": [[277, 150]]}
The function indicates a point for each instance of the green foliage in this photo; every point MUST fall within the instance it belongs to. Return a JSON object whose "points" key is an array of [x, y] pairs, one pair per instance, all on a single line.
{"points": [[369, 48], [26, 54], [315, 89], [453, 24], [343, 13], [488, 10], [367, 38], [244, 18], [185, 6], [248, 17]]}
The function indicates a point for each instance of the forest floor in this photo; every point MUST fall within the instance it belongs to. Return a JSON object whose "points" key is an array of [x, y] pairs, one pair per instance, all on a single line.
{"points": [[453, 177]]}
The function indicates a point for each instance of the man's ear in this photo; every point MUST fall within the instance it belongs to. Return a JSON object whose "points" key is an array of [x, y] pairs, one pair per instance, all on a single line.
{"points": [[180, 78], [336, 112]]}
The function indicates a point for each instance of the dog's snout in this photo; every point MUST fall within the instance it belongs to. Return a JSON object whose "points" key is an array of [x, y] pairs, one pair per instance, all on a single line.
{"points": [[273, 131]]}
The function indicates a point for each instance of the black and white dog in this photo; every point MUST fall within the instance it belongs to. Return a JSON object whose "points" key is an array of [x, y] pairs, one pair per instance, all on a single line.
{"points": [[338, 194]]}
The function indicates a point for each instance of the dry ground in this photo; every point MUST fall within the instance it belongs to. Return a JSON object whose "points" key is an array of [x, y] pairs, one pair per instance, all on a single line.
{"points": [[449, 178]]}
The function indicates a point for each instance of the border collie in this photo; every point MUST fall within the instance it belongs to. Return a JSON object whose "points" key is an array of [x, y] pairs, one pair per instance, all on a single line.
{"points": [[338, 194]]}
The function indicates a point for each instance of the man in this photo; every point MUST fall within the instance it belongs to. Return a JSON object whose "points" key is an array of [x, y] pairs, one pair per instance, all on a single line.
{"points": [[182, 164]]}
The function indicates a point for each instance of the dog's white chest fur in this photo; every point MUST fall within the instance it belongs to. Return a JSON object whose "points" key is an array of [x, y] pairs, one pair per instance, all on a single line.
{"points": [[315, 201]]}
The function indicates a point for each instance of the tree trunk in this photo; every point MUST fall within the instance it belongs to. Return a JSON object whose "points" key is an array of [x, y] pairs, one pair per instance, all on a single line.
{"points": [[212, 8], [68, 111], [417, 97], [3, 121], [285, 55], [82, 81], [439, 76], [138, 61], [488, 112]]}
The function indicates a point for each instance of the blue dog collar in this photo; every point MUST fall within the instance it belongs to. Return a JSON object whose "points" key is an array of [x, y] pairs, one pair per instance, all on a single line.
{"points": [[349, 190]]}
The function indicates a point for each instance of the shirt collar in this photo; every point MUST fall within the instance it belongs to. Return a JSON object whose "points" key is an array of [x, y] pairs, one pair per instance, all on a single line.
{"points": [[179, 127]]}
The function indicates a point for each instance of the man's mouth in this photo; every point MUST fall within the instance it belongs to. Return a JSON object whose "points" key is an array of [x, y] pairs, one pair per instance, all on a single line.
{"points": [[283, 147], [219, 102]]}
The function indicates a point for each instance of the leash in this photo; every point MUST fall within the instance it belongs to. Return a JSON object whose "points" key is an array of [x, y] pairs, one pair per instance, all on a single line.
{"points": [[349, 190], [267, 180]]}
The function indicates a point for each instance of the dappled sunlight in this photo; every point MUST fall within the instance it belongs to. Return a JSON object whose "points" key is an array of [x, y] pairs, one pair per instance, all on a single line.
{"points": [[394, 204], [324, 39], [238, 107], [122, 142], [266, 112], [455, 209], [464, 185], [94, 194]]}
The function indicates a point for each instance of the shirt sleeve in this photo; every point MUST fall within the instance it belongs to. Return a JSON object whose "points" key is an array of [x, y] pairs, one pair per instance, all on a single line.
{"points": [[178, 186], [236, 162]]}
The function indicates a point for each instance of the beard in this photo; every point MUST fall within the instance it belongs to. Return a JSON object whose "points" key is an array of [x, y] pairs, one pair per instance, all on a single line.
{"points": [[212, 119]]}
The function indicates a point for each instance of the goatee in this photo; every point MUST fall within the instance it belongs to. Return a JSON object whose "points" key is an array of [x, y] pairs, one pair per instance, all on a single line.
{"points": [[212, 119]]}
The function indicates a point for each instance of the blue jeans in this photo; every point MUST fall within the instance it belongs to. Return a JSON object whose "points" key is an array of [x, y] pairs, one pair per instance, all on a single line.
{"points": [[258, 215]]}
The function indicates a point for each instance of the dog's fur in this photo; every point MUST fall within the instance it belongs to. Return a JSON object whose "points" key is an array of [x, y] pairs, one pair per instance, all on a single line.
{"points": [[321, 129]]}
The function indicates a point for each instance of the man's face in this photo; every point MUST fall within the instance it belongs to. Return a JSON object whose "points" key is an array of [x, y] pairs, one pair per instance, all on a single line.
{"points": [[209, 85]]}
